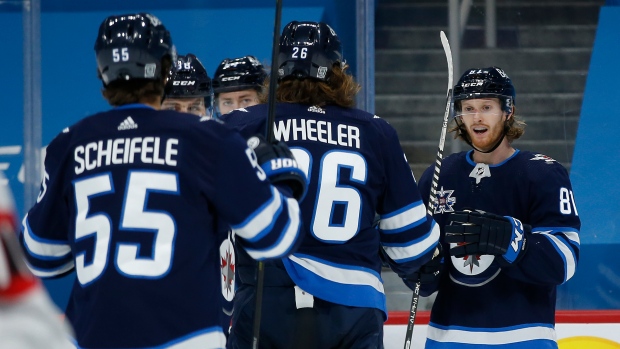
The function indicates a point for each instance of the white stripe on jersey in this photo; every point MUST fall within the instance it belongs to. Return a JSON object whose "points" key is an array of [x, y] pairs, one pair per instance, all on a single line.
{"points": [[261, 219], [43, 249], [51, 273], [210, 340], [566, 251], [288, 238], [339, 275], [409, 216], [418, 247], [213, 339], [497, 337]]}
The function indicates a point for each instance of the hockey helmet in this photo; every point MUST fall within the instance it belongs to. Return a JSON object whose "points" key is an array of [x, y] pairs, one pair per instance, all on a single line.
{"points": [[239, 74], [308, 50], [132, 47], [490, 82], [189, 78]]}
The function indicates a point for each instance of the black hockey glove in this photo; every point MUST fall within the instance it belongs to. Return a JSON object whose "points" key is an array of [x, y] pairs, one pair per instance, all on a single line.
{"points": [[279, 165], [482, 233], [429, 272]]}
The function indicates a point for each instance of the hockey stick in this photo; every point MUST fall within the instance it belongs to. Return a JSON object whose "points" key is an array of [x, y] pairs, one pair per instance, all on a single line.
{"points": [[271, 116], [433, 198]]}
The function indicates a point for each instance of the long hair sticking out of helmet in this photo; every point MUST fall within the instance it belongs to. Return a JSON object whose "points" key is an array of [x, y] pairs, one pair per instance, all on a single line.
{"points": [[340, 89], [189, 79], [134, 56], [490, 82], [311, 69]]}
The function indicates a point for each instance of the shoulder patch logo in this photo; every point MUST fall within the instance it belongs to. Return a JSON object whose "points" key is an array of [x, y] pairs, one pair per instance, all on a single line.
{"points": [[546, 158], [127, 124], [227, 267], [316, 109], [444, 201]]}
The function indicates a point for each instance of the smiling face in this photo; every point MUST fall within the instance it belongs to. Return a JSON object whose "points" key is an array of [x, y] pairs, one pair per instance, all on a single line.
{"points": [[229, 101], [194, 106], [484, 121]]}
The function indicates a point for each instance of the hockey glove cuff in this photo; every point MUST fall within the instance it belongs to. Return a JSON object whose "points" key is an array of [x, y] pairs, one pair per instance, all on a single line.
{"points": [[280, 165]]}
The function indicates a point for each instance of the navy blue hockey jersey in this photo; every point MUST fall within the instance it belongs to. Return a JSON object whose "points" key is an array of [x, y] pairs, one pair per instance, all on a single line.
{"points": [[478, 302], [356, 169], [133, 201]]}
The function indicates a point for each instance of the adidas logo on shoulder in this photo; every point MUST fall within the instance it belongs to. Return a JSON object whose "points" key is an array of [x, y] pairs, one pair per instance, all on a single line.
{"points": [[127, 124], [316, 109]]}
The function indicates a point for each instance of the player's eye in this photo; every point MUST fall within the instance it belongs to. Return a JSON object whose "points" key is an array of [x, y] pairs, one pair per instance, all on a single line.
{"points": [[168, 107]]}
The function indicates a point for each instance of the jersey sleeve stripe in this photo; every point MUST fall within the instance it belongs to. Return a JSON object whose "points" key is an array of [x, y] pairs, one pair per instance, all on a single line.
{"points": [[565, 252], [570, 233], [262, 220], [413, 249], [48, 273], [41, 248], [287, 239], [406, 217]]}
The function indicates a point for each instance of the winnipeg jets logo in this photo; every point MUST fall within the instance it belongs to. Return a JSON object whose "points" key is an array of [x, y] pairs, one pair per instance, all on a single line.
{"points": [[444, 201], [471, 261], [473, 270], [227, 266], [546, 158]]}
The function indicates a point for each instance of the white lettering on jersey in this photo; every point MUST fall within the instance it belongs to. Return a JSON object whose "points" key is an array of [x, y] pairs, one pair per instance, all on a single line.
{"points": [[318, 131], [125, 151]]}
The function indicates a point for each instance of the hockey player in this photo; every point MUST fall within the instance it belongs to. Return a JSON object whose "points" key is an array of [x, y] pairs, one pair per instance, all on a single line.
{"points": [[28, 317], [238, 83], [132, 199], [189, 89], [330, 294], [509, 224]]}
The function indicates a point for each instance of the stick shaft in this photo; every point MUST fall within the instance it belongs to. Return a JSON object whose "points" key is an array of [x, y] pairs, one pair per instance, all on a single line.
{"points": [[271, 116], [413, 310]]}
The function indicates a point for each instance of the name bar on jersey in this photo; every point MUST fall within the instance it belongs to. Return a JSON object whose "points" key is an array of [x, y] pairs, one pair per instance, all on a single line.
{"points": [[123, 151], [318, 131]]}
